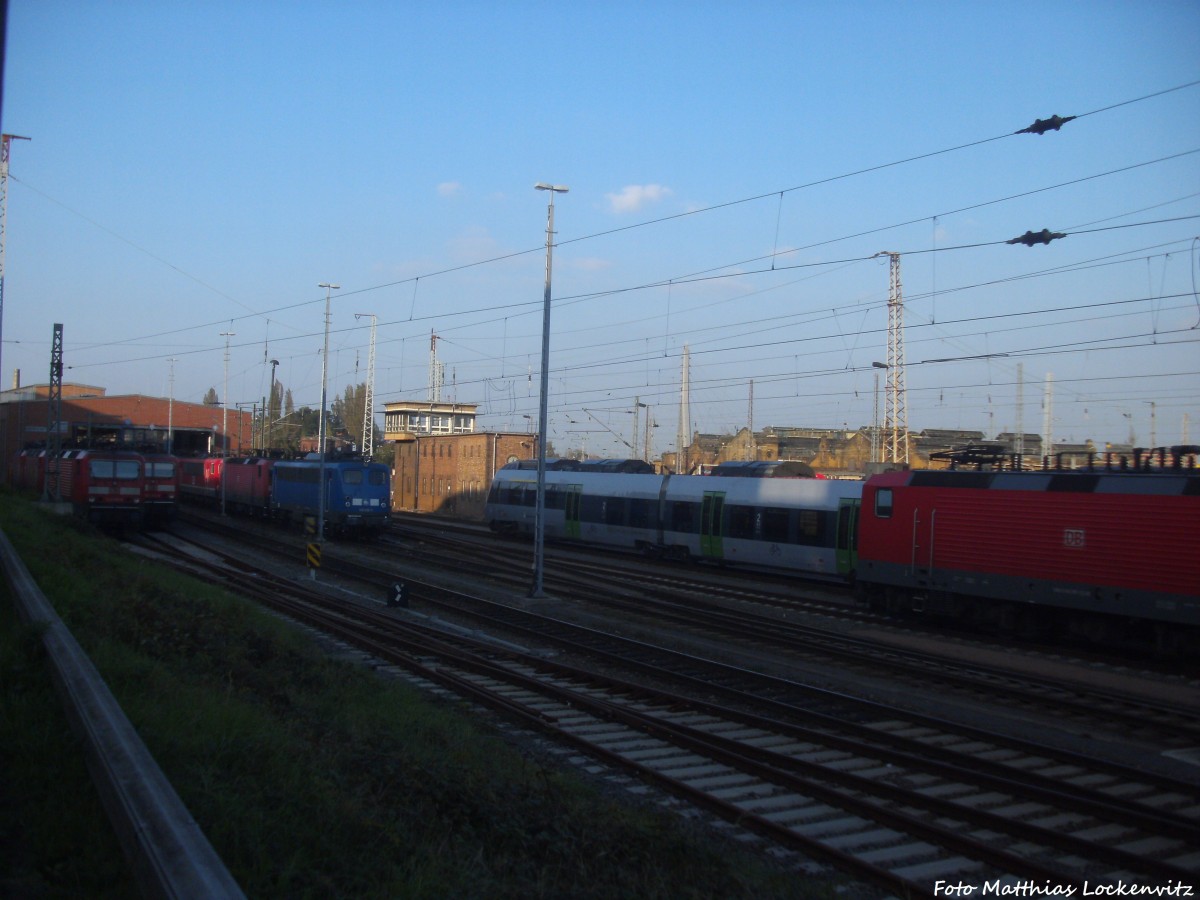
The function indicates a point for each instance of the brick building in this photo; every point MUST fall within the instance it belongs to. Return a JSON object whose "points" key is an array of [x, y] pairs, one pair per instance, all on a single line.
{"points": [[450, 474], [88, 415]]}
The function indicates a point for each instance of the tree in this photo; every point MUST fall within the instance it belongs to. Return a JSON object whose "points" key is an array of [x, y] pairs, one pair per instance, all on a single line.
{"points": [[211, 398], [288, 436], [348, 412]]}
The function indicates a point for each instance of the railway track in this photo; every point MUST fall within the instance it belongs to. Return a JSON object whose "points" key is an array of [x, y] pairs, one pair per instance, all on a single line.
{"points": [[906, 802], [694, 603]]}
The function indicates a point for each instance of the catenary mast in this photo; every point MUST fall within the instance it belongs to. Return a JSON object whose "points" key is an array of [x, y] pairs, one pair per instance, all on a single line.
{"points": [[896, 405], [368, 440], [683, 437], [5, 141]]}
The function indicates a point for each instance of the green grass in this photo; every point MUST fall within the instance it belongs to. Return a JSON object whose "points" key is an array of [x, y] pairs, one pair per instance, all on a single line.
{"points": [[310, 776]]}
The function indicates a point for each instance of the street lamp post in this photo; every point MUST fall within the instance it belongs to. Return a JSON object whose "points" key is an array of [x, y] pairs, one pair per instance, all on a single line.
{"points": [[225, 415], [539, 520], [266, 414], [875, 416], [329, 288]]}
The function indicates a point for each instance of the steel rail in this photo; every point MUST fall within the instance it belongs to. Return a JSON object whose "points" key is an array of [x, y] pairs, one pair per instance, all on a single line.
{"points": [[366, 629]]}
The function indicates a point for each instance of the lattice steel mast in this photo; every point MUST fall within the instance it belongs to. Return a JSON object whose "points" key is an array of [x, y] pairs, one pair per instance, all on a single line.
{"points": [[896, 406], [437, 371], [54, 417], [368, 439]]}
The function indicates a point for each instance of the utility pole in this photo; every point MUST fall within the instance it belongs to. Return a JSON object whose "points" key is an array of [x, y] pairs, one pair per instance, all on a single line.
{"points": [[683, 436], [368, 447], [5, 141], [1019, 443], [633, 441], [896, 404], [751, 449], [225, 415], [329, 288], [649, 424], [270, 440], [54, 419], [437, 371], [1048, 419], [875, 423], [536, 591], [171, 406]]}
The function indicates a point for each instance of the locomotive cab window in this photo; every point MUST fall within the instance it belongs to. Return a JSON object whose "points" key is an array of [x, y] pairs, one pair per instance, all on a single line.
{"points": [[883, 503], [123, 469]]}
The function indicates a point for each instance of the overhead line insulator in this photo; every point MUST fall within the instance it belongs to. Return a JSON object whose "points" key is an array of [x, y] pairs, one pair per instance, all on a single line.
{"points": [[1041, 126], [1030, 238]]}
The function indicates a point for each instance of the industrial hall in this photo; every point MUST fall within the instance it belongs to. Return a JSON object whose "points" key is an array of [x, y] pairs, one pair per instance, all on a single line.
{"points": [[87, 415]]}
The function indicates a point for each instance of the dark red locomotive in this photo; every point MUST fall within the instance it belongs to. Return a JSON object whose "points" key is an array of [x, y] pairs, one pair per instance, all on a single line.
{"points": [[248, 486], [200, 479], [1090, 552], [104, 486], [161, 497]]}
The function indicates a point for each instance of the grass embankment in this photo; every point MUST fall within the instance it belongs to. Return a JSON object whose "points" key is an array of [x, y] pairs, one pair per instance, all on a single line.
{"points": [[310, 776]]}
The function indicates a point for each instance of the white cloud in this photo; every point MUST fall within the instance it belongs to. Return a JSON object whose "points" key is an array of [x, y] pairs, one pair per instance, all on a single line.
{"points": [[633, 197], [449, 188]]}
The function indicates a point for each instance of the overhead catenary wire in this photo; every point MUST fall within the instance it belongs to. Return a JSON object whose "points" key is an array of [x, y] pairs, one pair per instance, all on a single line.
{"points": [[651, 222], [518, 308]]}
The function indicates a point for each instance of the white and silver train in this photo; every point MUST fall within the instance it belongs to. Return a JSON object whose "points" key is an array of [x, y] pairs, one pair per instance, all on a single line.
{"points": [[796, 524]]}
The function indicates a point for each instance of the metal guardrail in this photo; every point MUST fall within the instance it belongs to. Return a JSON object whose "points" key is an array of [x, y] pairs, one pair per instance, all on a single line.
{"points": [[170, 856]]}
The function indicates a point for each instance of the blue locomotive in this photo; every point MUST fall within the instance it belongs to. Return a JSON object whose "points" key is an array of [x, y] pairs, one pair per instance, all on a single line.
{"points": [[357, 497]]}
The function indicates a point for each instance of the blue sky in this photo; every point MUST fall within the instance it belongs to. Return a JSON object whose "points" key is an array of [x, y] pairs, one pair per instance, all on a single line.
{"points": [[197, 169]]}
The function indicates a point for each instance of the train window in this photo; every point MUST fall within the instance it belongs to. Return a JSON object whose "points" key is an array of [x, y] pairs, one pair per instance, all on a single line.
{"points": [[741, 521], [810, 527], [883, 503], [683, 517], [591, 508], [775, 525], [641, 513], [614, 511], [123, 469], [378, 477], [352, 476]]}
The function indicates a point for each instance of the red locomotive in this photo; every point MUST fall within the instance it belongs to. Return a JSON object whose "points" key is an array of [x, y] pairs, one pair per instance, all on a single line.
{"points": [[1091, 553], [29, 471], [103, 486], [200, 479], [248, 486], [161, 495]]}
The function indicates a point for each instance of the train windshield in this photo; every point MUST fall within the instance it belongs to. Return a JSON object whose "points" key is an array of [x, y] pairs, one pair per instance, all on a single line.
{"points": [[160, 469], [122, 469]]}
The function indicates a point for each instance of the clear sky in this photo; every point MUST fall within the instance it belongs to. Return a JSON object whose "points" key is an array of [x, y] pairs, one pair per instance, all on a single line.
{"points": [[198, 168]]}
